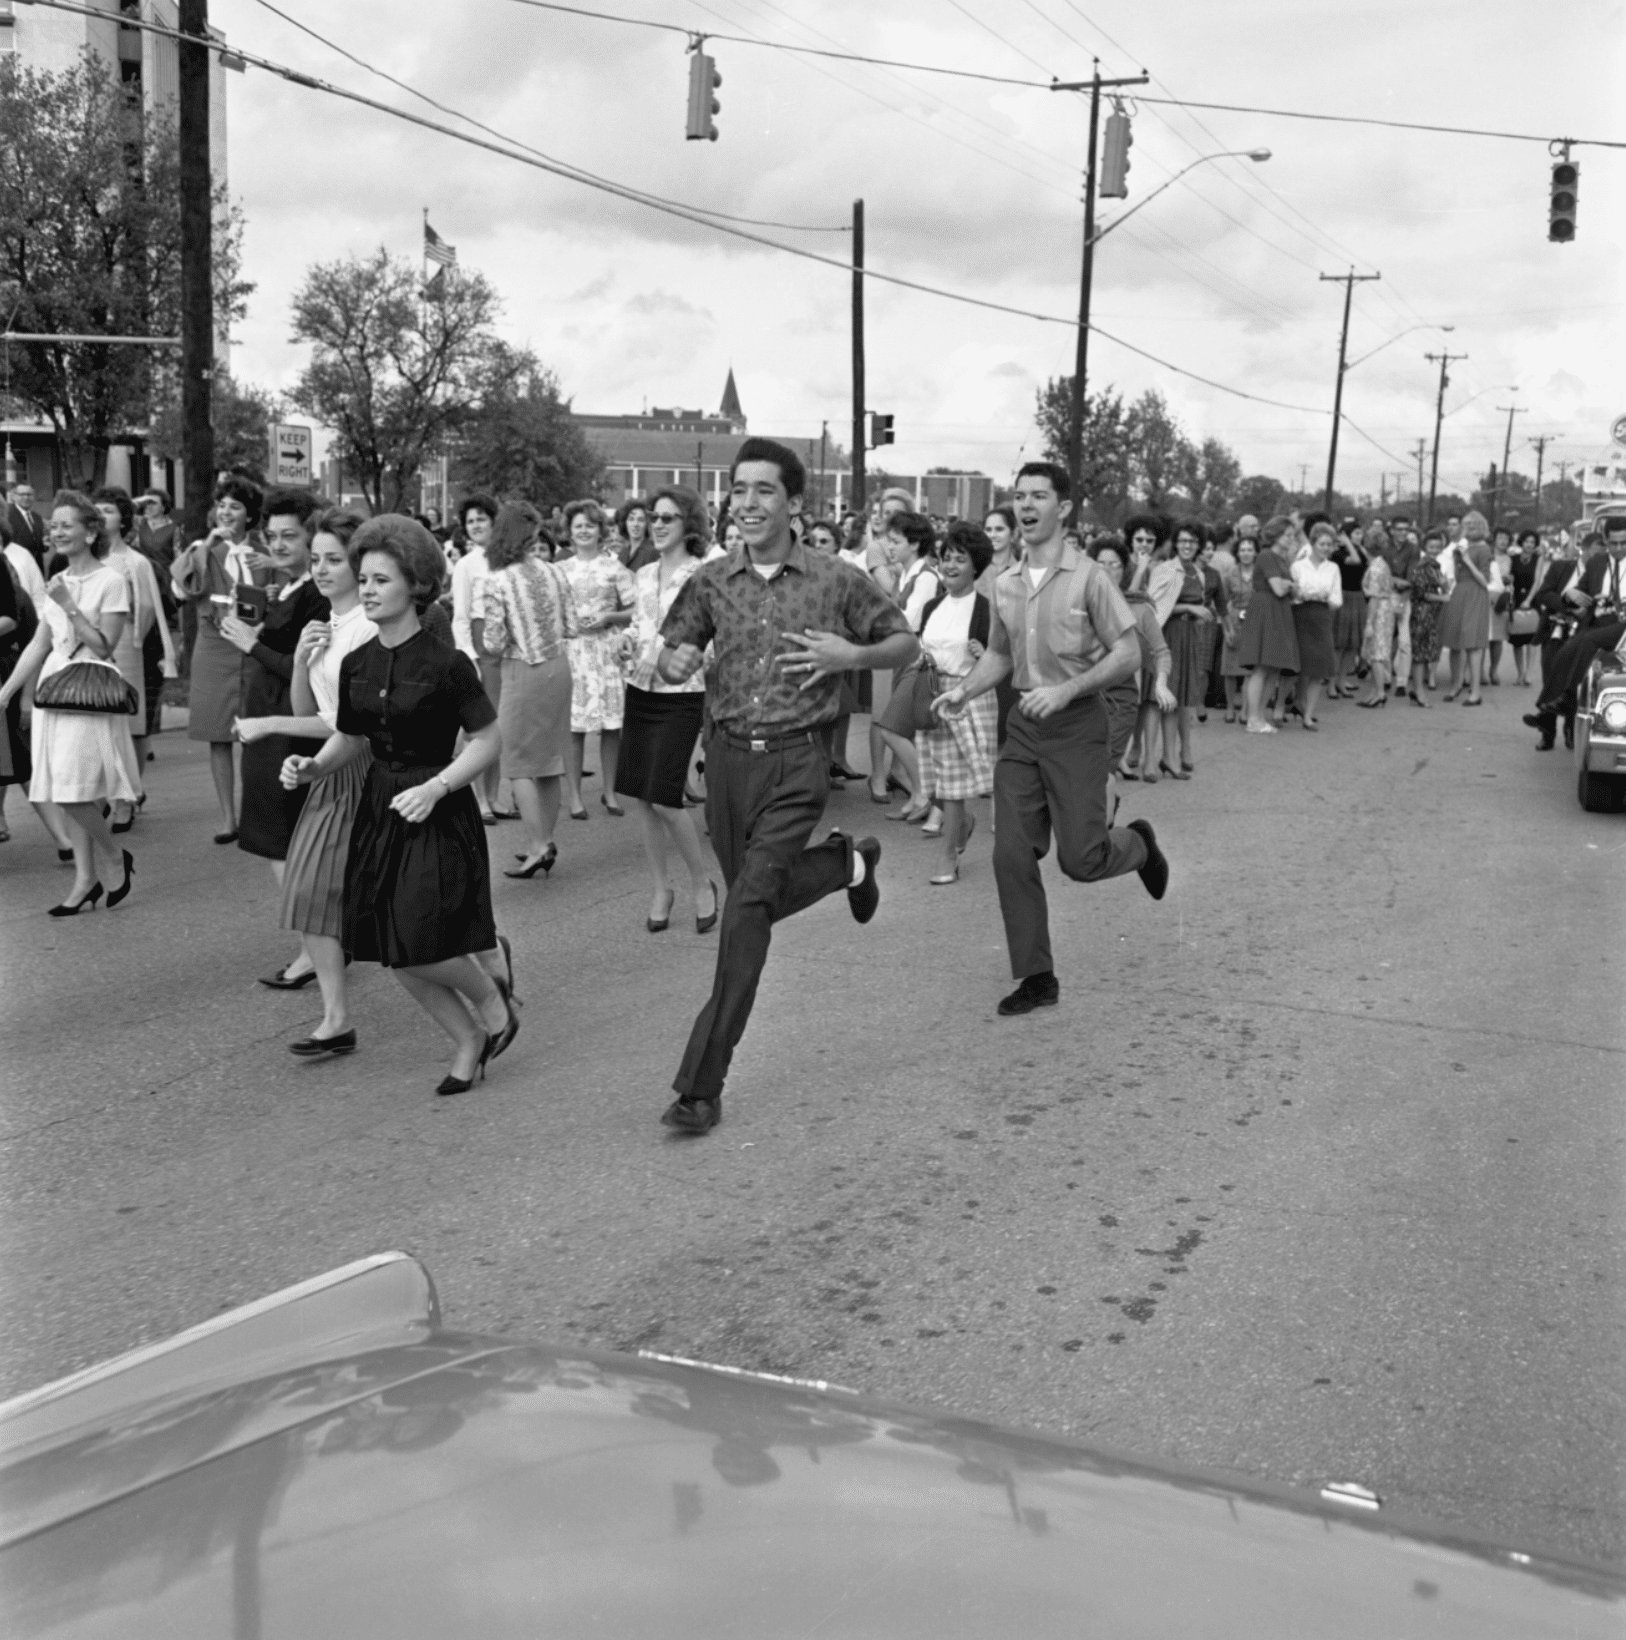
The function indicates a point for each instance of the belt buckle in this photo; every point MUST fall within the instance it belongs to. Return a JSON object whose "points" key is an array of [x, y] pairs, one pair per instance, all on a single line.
{"points": [[759, 745]]}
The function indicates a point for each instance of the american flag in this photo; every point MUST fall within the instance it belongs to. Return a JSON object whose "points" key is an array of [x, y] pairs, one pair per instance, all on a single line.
{"points": [[435, 249]]}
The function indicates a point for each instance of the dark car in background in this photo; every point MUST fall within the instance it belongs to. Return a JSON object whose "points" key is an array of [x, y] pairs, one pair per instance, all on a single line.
{"points": [[330, 1461]]}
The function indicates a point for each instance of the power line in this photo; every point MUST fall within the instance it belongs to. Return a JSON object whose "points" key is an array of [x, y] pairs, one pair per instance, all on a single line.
{"points": [[780, 45], [655, 202], [1393, 125], [422, 96]]}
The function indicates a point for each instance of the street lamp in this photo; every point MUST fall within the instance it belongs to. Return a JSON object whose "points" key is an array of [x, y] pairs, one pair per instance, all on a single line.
{"points": [[1257, 155], [1395, 338]]}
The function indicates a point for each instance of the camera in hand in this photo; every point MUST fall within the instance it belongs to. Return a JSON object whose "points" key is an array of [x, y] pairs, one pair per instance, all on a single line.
{"points": [[252, 603]]}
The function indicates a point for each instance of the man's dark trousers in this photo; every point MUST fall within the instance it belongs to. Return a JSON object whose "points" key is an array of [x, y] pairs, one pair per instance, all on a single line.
{"points": [[1052, 777], [761, 808], [1572, 662]]}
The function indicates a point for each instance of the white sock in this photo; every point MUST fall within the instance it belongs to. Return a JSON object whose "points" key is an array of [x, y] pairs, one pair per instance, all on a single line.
{"points": [[860, 870]]}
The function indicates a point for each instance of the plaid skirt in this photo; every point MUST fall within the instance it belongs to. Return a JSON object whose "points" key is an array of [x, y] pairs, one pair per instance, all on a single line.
{"points": [[957, 757]]}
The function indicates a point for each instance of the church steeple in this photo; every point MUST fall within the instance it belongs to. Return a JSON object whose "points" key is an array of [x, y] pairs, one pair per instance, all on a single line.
{"points": [[731, 409]]}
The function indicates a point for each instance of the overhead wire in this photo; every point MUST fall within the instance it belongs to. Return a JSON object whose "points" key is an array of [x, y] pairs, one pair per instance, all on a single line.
{"points": [[654, 202], [480, 125]]}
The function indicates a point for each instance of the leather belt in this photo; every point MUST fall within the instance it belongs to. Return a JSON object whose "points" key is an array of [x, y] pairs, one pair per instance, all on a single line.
{"points": [[772, 743]]}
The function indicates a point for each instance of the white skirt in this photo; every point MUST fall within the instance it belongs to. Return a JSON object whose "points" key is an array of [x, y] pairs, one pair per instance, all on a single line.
{"points": [[83, 757]]}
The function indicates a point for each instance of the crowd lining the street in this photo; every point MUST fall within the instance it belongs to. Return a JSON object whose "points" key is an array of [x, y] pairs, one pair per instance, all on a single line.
{"points": [[369, 687]]}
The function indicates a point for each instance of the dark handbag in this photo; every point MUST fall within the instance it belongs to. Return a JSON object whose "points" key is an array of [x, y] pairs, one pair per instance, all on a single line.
{"points": [[925, 685], [87, 686]]}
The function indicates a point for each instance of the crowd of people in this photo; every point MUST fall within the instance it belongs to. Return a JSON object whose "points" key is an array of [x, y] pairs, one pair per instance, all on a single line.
{"points": [[369, 689]]}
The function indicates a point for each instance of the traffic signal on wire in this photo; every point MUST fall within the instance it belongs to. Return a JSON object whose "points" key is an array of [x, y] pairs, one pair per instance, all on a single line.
{"points": [[703, 82], [1116, 142], [880, 430], [1566, 188]]}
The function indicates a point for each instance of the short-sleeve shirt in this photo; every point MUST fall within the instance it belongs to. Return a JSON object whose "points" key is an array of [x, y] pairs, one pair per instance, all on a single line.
{"points": [[1059, 629], [727, 603], [103, 592], [410, 701], [348, 632]]}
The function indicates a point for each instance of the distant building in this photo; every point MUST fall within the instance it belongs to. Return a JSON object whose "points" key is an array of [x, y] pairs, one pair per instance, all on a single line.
{"points": [[675, 446], [147, 65]]}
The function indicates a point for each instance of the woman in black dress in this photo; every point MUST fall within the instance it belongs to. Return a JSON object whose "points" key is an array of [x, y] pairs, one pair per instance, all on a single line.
{"points": [[269, 811], [18, 624], [1524, 621], [417, 889]]}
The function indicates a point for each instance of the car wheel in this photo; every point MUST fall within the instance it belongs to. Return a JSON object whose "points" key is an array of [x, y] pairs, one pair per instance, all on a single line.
{"points": [[1599, 793]]}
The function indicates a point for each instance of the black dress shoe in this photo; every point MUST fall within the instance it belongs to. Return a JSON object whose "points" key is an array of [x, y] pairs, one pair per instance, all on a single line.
{"points": [[1155, 873], [308, 1047], [694, 1116], [279, 981], [66, 910], [122, 892], [866, 897], [1036, 991], [225, 836]]}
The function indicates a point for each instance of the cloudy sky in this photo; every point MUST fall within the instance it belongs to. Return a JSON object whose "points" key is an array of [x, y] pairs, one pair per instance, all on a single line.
{"points": [[976, 187]]}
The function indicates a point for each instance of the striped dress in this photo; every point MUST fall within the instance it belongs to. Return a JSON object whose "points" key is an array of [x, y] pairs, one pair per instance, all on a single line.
{"points": [[313, 879]]}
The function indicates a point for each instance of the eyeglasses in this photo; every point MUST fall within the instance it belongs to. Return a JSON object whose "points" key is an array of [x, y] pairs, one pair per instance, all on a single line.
{"points": [[666, 518]]}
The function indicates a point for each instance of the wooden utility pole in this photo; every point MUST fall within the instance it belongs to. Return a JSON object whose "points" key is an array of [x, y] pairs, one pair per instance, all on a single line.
{"points": [[1422, 450], [1507, 455], [858, 501], [1443, 360], [197, 272], [1541, 456], [1349, 281], [824, 448], [1081, 357]]}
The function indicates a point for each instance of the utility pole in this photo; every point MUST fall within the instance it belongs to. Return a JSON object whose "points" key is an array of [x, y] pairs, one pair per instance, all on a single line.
{"points": [[1349, 281], [1304, 480], [858, 502], [1541, 456], [197, 272], [1422, 449], [1444, 361], [1507, 455], [1081, 358], [824, 445]]}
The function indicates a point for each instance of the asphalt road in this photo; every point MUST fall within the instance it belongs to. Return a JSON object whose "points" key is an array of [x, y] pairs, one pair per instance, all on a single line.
{"points": [[1315, 1174]]}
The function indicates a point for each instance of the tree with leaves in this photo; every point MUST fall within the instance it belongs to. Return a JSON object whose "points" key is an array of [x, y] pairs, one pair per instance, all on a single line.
{"points": [[243, 417], [1106, 465], [521, 439], [90, 232], [398, 370]]}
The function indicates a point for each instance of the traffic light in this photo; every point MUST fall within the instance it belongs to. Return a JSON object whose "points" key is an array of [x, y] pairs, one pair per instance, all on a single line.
{"points": [[703, 81], [1115, 156], [1566, 186], [880, 431]]}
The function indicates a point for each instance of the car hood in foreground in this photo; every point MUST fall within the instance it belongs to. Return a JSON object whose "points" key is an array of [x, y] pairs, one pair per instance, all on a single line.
{"points": [[425, 1483]]}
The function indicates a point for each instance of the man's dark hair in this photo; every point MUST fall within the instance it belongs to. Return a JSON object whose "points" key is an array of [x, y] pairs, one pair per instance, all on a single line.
{"points": [[1057, 476], [1613, 523], [915, 529], [1311, 519], [301, 504], [792, 474], [971, 539]]}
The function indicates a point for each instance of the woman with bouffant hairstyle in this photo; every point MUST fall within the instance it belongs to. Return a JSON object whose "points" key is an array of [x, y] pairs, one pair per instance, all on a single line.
{"points": [[417, 882]]}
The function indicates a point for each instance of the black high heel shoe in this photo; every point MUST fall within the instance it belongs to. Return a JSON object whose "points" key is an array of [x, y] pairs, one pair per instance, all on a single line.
{"points": [[543, 863], [659, 925], [498, 1045], [704, 925], [506, 986], [66, 910], [450, 1084], [122, 892]]}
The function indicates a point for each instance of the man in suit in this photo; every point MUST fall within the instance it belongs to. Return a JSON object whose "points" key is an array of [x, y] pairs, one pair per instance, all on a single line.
{"points": [[1599, 592], [23, 524]]}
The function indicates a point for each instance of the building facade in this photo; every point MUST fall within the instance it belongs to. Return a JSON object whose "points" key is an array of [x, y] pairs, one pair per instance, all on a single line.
{"points": [[147, 66]]}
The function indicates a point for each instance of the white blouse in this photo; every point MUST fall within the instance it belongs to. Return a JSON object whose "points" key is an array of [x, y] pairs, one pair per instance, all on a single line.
{"points": [[348, 632], [1318, 583], [946, 637]]}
